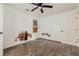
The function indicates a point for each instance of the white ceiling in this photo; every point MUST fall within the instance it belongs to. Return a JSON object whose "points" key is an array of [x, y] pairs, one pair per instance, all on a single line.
{"points": [[57, 8]]}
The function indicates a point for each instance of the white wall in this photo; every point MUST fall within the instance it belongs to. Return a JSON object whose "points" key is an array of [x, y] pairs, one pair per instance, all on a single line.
{"points": [[53, 25], [15, 21], [1, 29]]}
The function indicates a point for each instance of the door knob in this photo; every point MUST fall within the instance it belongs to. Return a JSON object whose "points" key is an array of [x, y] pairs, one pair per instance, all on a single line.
{"points": [[61, 30], [1, 32]]}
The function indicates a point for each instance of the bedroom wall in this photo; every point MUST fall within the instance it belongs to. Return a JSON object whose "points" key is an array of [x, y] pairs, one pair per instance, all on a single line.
{"points": [[15, 21], [62, 27]]}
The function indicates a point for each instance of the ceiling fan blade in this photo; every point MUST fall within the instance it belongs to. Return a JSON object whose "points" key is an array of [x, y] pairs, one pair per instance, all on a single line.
{"points": [[40, 4], [34, 3], [41, 10], [47, 6], [34, 8]]}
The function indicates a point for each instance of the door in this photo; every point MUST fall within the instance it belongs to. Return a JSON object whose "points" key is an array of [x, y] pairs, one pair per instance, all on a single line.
{"points": [[1, 30], [78, 29], [77, 25], [68, 28]]}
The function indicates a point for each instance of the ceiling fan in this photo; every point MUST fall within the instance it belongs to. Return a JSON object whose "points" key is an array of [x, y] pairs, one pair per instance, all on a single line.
{"points": [[41, 6]]}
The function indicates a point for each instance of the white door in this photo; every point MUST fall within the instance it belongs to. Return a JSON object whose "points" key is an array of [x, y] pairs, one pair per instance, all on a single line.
{"points": [[77, 29], [1, 30], [68, 28]]}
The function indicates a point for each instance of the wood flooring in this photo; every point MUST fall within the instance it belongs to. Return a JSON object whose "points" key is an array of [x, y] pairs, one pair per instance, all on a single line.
{"points": [[42, 47]]}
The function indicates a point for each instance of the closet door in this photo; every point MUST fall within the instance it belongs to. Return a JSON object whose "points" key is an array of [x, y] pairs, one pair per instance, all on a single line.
{"points": [[1, 30], [68, 28], [77, 27]]}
